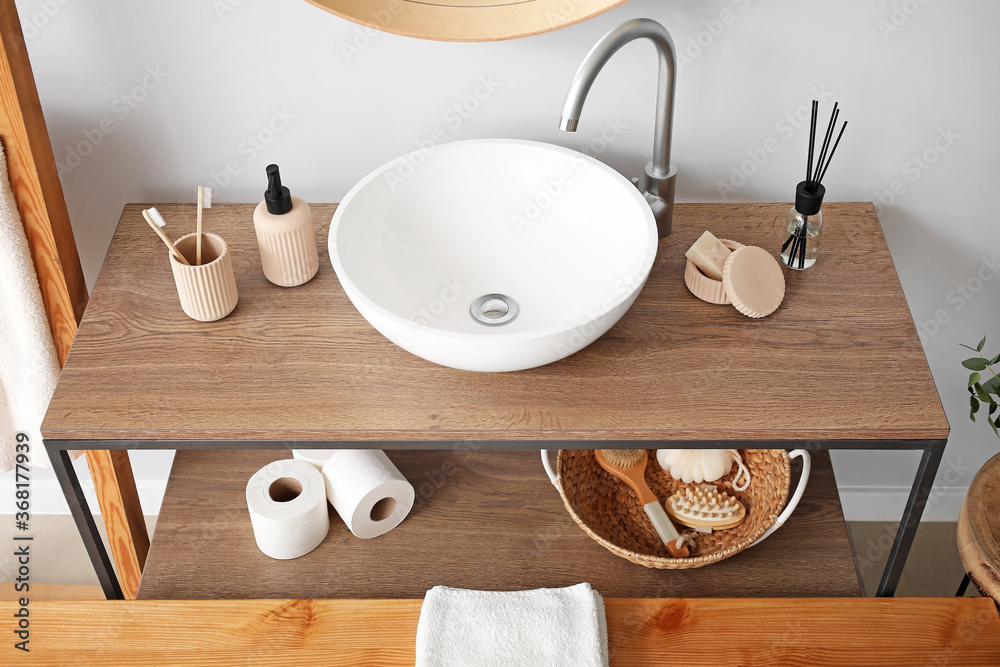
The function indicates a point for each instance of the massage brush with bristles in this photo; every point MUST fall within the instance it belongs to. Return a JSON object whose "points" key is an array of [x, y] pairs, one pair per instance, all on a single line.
{"points": [[629, 465], [705, 507]]}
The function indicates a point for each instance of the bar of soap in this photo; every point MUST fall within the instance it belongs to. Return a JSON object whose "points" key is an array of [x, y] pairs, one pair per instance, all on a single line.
{"points": [[709, 254]]}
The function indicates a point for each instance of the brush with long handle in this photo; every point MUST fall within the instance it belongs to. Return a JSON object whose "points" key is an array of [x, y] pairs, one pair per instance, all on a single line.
{"points": [[156, 222], [629, 465], [204, 201]]}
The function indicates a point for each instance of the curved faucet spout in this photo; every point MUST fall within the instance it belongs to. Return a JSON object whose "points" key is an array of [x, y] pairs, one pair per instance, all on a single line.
{"points": [[658, 184]]}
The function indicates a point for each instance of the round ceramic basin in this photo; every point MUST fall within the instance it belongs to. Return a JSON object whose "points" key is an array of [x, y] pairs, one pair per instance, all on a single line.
{"points": [[493, 255]]}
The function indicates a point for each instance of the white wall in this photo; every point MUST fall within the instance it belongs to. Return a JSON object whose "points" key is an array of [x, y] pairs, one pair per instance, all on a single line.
{"points": [[344, 102]]}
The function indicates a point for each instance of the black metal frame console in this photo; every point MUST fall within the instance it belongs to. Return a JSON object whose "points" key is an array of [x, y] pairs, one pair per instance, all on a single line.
{"points": [[58, 451]]}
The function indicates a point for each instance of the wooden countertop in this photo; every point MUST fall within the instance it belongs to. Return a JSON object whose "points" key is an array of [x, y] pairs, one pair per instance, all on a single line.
{"points": [[302, 364], [864, 631], [483, 519]]}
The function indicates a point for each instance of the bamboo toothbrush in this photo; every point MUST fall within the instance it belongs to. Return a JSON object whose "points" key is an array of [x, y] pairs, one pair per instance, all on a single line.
{"points": [[156, 221], [629, 465], [204, 201]]}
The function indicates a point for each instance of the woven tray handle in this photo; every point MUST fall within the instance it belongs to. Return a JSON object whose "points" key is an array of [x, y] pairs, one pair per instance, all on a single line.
{"points": [[793, 502], [549, 470]]}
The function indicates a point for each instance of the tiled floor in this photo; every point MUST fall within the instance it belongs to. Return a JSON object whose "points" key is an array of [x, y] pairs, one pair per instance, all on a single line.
{"points": [[933, 568]]}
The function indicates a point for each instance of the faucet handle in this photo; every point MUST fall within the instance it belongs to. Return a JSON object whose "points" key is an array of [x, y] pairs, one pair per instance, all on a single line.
{"points": [[635, 182]]}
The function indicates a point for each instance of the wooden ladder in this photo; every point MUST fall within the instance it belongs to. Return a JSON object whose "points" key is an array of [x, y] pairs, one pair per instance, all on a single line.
{"points": [[35, 183]]}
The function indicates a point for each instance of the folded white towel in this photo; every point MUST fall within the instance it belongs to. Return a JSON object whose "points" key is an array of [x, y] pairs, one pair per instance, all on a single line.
{"points": [[29, 366], [546, 627]]}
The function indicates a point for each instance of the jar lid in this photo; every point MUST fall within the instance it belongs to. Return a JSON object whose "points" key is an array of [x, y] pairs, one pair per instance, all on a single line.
{"points": [[754, 282], [809, 201]]}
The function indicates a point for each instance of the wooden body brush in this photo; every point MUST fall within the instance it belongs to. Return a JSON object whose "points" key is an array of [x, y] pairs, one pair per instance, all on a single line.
{"points": [[629, 465], [705, 508]]}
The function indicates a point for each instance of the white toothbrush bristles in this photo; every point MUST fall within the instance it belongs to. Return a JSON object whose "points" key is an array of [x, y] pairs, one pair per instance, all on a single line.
{"points": [[206, 196], [156, 217], [156, 222]]}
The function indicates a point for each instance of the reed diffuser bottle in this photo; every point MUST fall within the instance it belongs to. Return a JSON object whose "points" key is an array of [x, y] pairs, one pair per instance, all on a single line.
{"points": [[805, 221]]}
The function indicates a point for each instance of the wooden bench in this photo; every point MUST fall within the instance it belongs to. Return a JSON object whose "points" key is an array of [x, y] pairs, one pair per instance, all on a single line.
{"points": [[862, 631]]}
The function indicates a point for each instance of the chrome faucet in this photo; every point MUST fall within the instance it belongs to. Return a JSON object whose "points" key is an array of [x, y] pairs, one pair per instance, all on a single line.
{"points": [[660, 175]]}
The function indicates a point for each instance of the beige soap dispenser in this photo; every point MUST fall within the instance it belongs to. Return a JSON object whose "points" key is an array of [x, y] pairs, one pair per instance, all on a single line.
{"points": [[285, 235]]}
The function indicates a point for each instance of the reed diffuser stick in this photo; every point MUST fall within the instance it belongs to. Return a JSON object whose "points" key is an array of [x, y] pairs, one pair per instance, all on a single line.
{"points": [[837, 143], [826, 145], [812, 140]]}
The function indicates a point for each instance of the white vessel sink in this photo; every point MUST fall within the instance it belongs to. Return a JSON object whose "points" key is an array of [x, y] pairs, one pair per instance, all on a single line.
{"points": [[493, 255]]}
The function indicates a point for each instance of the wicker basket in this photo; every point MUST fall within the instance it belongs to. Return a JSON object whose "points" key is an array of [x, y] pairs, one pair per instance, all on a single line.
{"points": [[608, 510]]}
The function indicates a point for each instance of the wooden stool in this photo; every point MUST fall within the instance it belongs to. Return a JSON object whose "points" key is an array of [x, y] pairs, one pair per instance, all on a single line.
{"points": [[979, 530]]}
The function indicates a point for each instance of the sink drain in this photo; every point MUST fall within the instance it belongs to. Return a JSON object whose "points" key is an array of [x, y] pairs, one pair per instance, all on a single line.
{"points": [[494, 310]]}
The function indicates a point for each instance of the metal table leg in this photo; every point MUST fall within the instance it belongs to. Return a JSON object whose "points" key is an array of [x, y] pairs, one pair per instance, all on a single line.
{"points": [[919, 493], [963, 586], [70, 483]]}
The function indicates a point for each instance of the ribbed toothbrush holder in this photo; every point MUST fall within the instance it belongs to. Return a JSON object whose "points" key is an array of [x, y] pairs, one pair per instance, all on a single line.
{"points": [[207, 291]]}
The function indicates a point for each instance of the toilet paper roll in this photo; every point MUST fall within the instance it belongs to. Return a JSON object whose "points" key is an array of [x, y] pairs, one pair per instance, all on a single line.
{"points": [[317, 457], [287, 503], [368, 492]]}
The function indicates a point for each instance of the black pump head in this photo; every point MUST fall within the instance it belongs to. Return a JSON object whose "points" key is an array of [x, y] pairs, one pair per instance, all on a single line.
{"points": [[277, 197]]}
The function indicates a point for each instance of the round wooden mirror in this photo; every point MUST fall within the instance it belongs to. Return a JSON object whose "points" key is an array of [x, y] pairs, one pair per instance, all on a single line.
{"points": [[466, 20]]}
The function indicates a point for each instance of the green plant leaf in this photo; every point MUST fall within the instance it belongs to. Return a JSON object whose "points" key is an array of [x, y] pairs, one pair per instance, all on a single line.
{"points": [[993, 406], [975, 364], [992, 385], [974, 378], [981, 393], [975, 408], [994, 360], [967, 347], [979, 348], [993, 423]]}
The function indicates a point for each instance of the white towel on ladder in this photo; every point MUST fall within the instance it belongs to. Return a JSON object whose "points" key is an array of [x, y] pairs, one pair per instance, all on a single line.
{"points": [[29, 366]]}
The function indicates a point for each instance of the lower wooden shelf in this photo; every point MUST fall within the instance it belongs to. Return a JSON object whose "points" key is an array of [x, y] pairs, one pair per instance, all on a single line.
{"points": [[483, 519]]}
